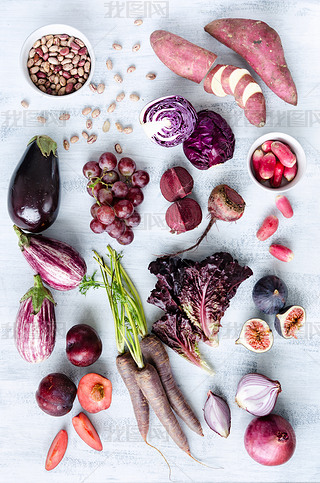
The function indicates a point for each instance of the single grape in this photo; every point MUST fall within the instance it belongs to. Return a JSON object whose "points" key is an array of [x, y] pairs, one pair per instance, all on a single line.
{"points": [[126, 166], [120, 189], [127, 237], [123, 209], [91, 170], [133, 220], [116, 229], [96, 226], [94, 209], [105, 196], [94, 191], [105, 215], [140, 179], [107, 161], [135, 195], [110, 177]]}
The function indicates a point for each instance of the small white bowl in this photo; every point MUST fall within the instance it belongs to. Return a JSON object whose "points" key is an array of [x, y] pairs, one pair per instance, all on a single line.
{"points": [[55, 28], [295, 147]]}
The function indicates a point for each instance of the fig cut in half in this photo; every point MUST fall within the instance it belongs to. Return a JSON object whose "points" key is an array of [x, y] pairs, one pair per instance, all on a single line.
{"points": [[256, 336], [289, 321]]}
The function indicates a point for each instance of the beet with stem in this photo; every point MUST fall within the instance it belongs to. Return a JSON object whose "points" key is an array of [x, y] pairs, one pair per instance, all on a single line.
{"points": [[224, 204]]}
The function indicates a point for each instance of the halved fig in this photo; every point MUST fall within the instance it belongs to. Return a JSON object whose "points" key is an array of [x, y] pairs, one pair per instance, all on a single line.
{"points": [[86, 431], [256, 336], [94, 392], [57, 450], [289, 321]]}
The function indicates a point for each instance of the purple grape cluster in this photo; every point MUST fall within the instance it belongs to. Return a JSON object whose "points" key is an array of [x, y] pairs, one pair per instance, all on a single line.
{"points": [[117, 193]]}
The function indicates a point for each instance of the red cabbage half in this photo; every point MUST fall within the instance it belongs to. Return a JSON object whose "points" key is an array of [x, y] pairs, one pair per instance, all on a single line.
{"points": [[168, 121], [212, 141]]}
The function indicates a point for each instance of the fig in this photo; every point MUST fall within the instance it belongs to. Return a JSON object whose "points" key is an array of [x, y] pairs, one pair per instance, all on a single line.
{"points": [[256, 336], [289, 321], [270, 294]]}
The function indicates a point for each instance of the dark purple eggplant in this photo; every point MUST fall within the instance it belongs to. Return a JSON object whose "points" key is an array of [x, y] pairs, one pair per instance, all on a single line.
{"points": [[34, 190]]}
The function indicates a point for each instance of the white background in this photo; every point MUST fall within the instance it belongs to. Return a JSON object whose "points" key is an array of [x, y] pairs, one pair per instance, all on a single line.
{"points": [[25, 431]]}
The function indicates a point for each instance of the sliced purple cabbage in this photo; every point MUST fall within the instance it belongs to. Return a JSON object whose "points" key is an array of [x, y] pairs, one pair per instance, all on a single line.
{"points": [[212, 141], [195, 296], [168, 121]]}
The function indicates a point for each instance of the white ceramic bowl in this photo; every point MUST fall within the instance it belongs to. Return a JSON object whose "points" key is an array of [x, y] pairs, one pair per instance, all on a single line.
{"points": [[47, 30], [295, 147]]}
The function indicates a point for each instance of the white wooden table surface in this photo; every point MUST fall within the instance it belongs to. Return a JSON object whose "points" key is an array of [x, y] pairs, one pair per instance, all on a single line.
{"points": [[25, 431]]}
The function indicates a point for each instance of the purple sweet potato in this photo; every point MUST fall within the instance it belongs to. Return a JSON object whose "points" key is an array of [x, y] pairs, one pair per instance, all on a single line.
{"points": [[261, 47], [181, 56]]}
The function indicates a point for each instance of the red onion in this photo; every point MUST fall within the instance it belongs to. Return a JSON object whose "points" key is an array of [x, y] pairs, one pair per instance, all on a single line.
{"points": [[270, 440], [217, 415], [257, 394]]}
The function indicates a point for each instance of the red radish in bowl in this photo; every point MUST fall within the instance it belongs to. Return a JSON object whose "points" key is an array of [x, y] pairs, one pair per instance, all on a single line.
{"points": [[270, 440]]}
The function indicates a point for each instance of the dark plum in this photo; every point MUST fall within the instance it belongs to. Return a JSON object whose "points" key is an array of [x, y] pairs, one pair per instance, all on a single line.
{"points": [[107, 161], [120, 189], [140, 179], [133, 220], [135, 195], [83, 345], [126, 166], [110, 177], [91, 170], [123, 209], [127, 237], [270, 294], [55, 394]]}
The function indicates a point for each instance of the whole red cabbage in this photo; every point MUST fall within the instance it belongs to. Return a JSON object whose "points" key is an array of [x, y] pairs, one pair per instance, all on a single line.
{"points": [[212, 141]]}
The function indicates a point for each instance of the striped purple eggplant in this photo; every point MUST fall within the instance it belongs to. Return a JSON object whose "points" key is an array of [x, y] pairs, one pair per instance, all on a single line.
{"points": [[60, 265], [35, 327]]}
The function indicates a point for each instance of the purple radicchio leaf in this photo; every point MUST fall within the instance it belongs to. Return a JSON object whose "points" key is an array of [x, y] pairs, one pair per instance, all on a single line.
{"points": [[176, 331], [207, 289]]}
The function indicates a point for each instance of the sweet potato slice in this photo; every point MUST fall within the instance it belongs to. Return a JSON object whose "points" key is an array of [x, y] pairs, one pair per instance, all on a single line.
{"points": [[260, 45], [181, 56]]}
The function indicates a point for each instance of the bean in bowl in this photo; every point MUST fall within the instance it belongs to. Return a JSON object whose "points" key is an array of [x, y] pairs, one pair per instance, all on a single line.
{"points": [[59, 64]]}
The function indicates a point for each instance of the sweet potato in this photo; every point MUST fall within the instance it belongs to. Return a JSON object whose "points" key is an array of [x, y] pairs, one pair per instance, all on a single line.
{"points": [[228, 79], [261, 47], [181, 56]]}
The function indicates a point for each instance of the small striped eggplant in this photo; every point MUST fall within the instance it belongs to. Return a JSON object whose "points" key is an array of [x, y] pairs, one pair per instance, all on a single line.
{"points": [[59, 265], [35, 327]]}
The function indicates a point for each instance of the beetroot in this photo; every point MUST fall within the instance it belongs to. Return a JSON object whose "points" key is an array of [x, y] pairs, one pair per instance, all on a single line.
{"points": [[224, 204], [176, 183], [183, 215]]}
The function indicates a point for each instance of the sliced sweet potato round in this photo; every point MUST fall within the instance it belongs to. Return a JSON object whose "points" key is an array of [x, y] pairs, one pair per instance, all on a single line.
{"points": [[94, 392], [57, 450]]}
